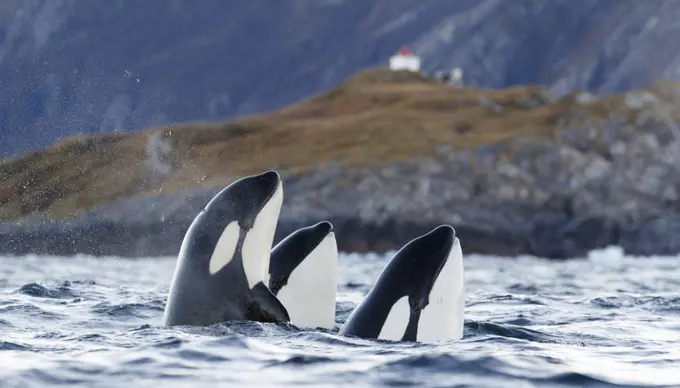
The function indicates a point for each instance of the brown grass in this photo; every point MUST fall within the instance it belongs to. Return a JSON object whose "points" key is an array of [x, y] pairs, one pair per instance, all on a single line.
{"points": [[376, 116]]}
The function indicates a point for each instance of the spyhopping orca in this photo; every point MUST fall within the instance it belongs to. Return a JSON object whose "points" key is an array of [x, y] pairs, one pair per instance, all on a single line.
{"points": [[419, 295], [223, 261], [303, 275]]}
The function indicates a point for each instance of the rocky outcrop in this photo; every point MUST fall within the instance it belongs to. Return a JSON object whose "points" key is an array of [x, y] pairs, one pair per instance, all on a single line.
{"points": [[608, 181], [70, 67]]}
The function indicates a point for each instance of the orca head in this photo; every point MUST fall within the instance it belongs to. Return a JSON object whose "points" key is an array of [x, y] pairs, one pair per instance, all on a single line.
{"points": [[303, 275], [418, 264], [243, 215], [404, 291], [245, 199], [288, 254]]}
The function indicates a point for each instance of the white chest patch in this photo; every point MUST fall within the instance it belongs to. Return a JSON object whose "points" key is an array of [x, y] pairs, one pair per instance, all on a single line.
{"points": [[225, 247], [309, 295], [442, 319], [397, 320], [258, 241]]}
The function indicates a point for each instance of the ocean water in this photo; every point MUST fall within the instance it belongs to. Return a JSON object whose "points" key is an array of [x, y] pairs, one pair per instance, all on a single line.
{"points": [[602, 321]]}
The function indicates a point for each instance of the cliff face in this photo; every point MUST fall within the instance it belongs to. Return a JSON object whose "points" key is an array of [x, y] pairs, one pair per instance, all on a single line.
{"points": [[70, 67], [385, 156]]}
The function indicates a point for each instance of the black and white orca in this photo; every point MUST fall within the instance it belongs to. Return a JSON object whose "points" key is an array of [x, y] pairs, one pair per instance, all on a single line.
{"points": [[303, 275], [223, 264], [419, 295]]}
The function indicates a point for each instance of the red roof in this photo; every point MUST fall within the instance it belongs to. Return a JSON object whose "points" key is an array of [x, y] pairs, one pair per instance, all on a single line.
{"points": [[405, 51]]}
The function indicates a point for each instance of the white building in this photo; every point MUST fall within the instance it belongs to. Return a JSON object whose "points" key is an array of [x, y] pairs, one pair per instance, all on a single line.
{"points": [[405, 60]]}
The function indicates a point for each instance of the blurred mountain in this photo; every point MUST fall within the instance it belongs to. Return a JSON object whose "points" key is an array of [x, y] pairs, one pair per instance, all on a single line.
{"points": [[69, 67]]}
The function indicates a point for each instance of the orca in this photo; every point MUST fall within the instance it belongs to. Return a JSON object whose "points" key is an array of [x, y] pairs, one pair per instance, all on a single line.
{"points": [[419, 296], [223, 262], [303, 275]]}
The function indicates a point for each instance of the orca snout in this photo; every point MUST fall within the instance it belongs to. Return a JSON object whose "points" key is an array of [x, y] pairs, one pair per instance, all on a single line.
{"points": [[324, 227], [443, 233], [441, 239], [269, 180]]}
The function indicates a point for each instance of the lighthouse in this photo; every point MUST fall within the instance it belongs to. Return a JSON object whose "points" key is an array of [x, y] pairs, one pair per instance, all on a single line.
{"points": [[404, 59]]}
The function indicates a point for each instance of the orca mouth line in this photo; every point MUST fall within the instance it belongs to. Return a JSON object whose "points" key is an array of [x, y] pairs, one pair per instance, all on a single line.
{"points": [[271, 195], [279, 183], [248, 224], [447, 251]]}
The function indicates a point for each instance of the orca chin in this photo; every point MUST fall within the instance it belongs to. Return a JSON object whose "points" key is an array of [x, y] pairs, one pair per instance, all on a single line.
{"points": [[419, 296]]}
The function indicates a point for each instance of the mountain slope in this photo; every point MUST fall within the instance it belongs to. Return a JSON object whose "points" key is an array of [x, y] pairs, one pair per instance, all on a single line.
{"points": [[71, 66]]}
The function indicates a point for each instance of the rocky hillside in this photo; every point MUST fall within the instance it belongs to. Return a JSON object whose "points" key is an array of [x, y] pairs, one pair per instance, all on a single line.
{"points": [[378, 116], [70, 67], [383, 156]]}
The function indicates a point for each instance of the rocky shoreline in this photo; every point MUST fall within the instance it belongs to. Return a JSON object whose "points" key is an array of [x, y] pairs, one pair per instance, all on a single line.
{"points": [[549, 235], [557, 198]]}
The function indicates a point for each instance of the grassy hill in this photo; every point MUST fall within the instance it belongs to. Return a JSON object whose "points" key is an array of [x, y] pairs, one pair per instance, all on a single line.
{"points": [[377, 116]]}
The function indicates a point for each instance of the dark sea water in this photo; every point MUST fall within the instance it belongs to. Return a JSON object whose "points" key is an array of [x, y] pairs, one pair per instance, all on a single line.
{"points": [[602, 321]]}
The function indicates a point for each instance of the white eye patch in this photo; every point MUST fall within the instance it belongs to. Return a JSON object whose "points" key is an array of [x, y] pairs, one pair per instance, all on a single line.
{"points": [[225, 247]]}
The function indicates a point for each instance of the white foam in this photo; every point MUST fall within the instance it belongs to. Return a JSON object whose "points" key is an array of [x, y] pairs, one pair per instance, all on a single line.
{"points": [[396, 322], [225, 247], [258, 241], [443, 318], [309, 296]]}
